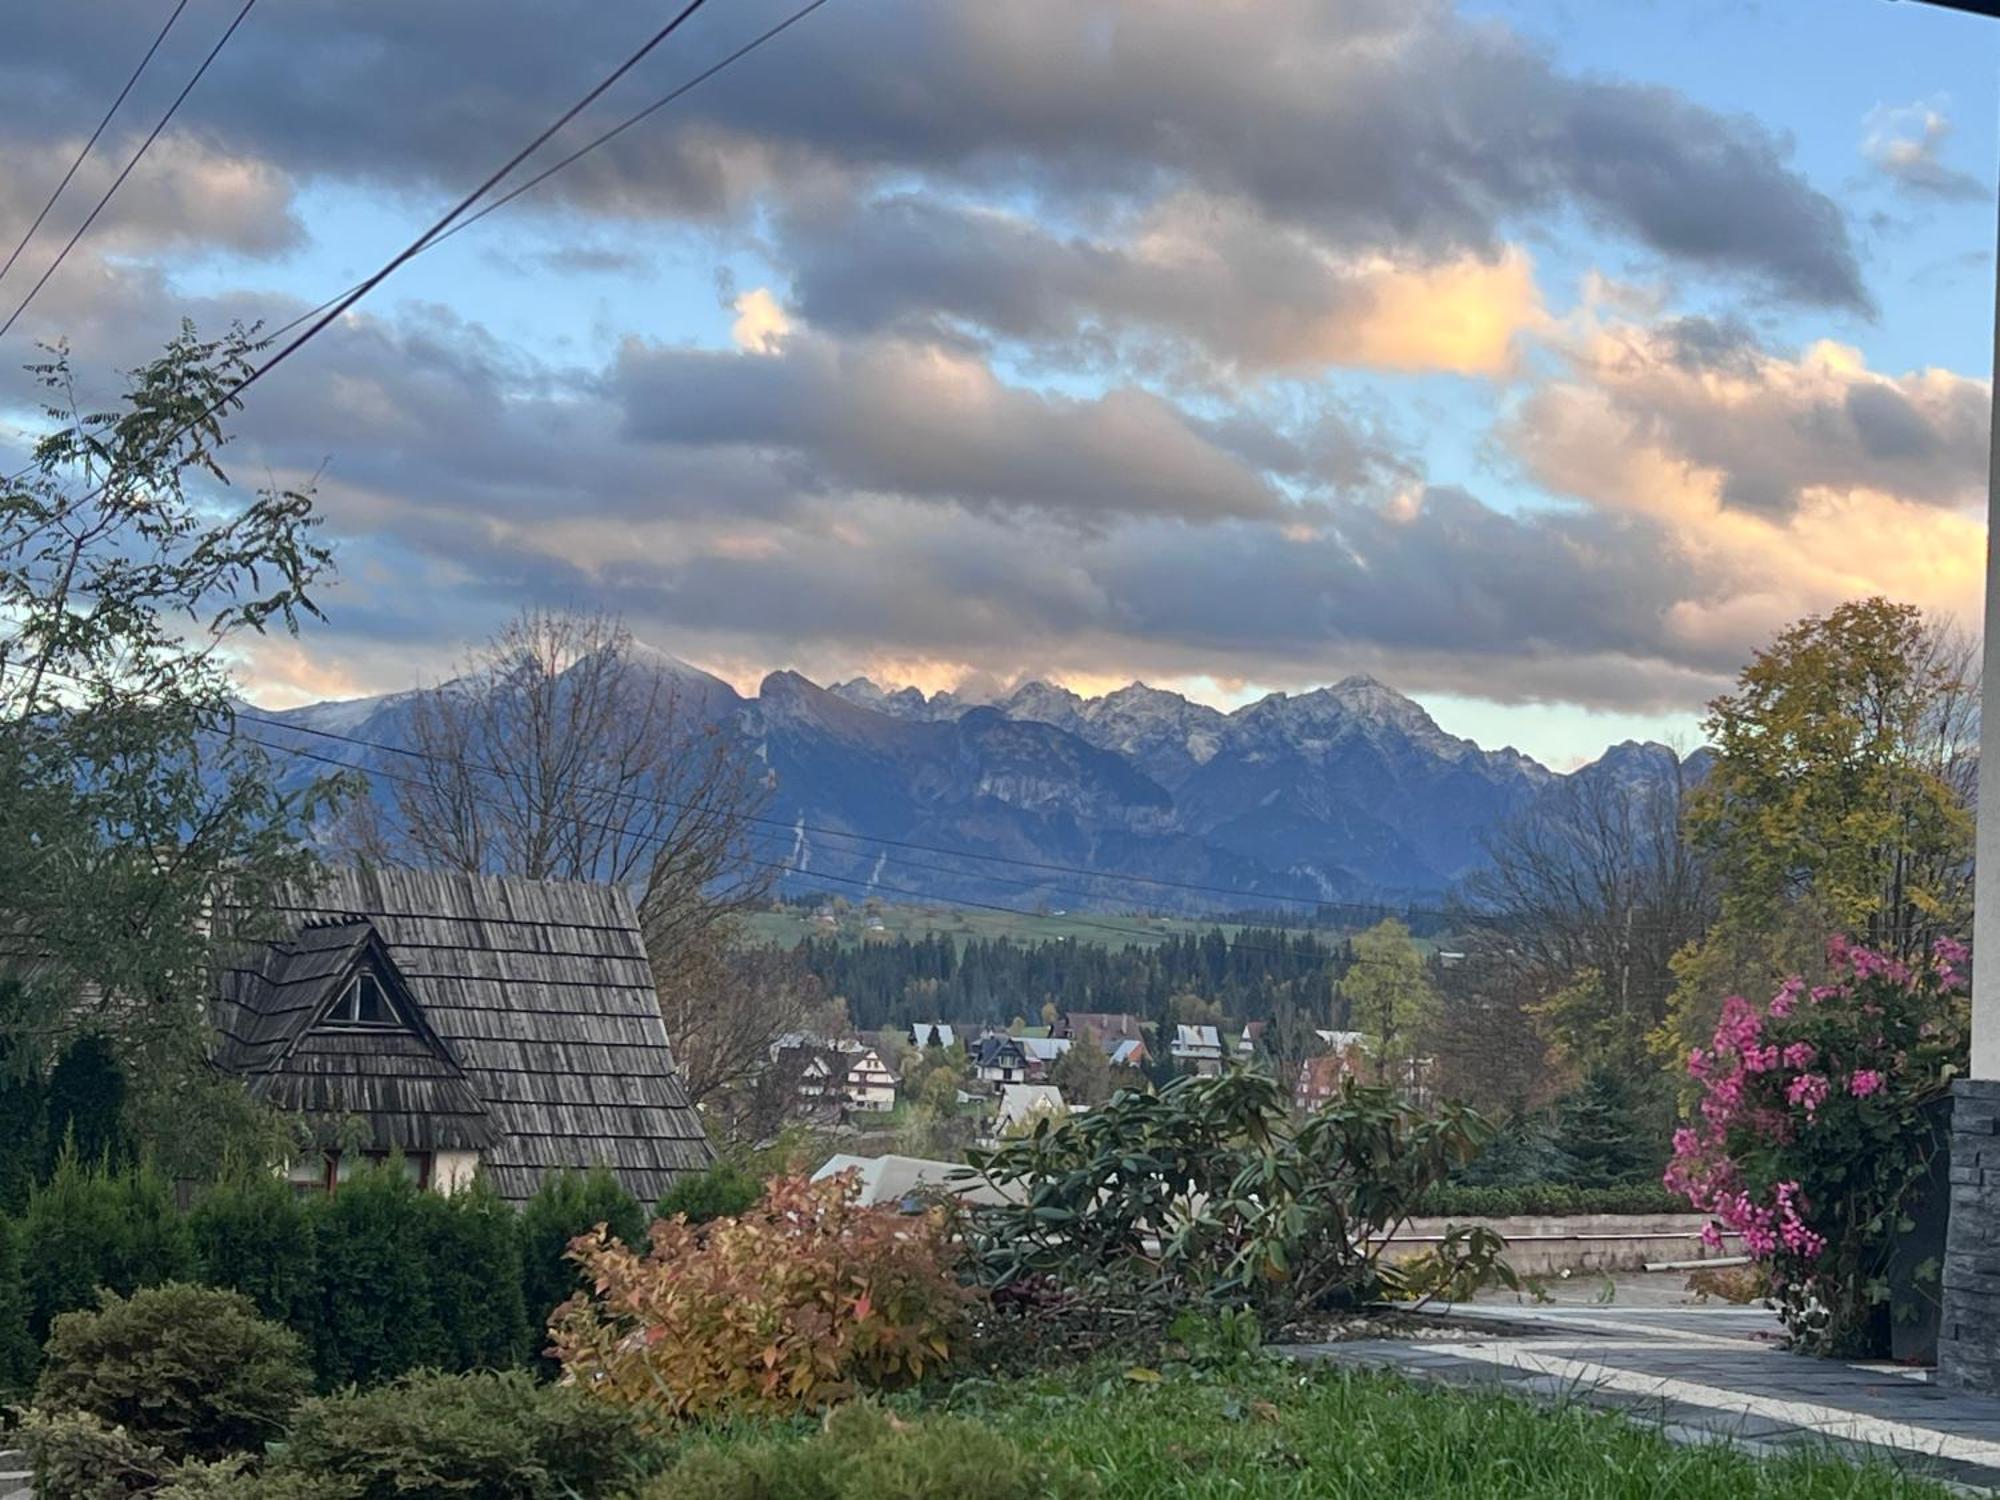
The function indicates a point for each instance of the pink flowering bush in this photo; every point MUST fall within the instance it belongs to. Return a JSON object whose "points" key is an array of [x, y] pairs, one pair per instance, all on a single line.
{"points": [[1814, 1131]]}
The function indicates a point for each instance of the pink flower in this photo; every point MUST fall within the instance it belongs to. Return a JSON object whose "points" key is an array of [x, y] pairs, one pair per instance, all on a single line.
{"points": [[1865, 1081], [1787, 997], [1799, 1056], [1711, 1235], [1760, 1059], [1697, 1063], [1950, 950], [1808, 1091]]}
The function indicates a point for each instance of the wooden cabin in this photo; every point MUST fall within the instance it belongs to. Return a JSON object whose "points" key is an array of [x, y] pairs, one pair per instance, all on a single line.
{"points": [[469, 1023]]}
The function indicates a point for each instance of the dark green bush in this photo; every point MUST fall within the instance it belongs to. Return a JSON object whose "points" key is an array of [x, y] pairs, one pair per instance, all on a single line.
{"points": [[238, 1479], [254, 1235], [190, 1370], [476, 1279], [1545, 1200], [78, 1456], [865, 1454], [87, 1229], [725, 1191], [85, 1103], [376, 1316], [569, 1204], [484, 1436], [17, 1346]]}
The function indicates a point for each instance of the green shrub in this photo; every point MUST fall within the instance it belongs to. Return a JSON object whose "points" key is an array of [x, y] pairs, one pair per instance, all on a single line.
{"points": [[23, 1114], [569, 1204], [476, 1279], [485, 1436], [191, 1370], [239, 1479], [17, 1346], [1208, 1191], [1545, 1200], [87, 1229], [79, 1456], [866, 1454], [724, 1191], [376, 1317], [254, 1235]]}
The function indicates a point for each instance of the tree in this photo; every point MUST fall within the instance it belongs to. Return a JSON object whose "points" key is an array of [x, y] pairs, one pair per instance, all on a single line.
{"points": [[1840, 801], [86, 1104], [136, 827], [1391, 995], [561, 751], [1585, 901], [1084, 1073], [725, 1004]]}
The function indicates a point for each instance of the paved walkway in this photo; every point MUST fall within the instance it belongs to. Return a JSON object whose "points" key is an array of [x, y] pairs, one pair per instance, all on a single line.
{"points": [[1704, 1374]]}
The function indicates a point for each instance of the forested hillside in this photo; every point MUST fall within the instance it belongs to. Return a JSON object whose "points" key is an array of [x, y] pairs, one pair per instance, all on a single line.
{"points": [[1249, 975]]}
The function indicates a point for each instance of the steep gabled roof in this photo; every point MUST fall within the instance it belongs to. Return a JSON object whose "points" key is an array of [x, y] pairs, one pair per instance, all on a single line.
{"points": [[402, 1079], [542, 993]]}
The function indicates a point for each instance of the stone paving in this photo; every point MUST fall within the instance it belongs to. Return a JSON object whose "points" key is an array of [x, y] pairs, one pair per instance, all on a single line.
{"points": [[1703, 1374]]}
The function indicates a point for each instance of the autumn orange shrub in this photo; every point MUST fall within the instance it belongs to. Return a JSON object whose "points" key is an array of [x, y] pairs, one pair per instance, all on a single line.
{"points": [[804, 1300]]}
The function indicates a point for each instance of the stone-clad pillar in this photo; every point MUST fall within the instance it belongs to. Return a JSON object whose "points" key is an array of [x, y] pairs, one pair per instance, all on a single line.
{"points": [[1969, 1331], [1969, 1336]]}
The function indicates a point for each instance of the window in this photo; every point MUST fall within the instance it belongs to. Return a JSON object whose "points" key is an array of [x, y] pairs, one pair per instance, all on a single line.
{"points": [[363, 1003], [325, 1173]]}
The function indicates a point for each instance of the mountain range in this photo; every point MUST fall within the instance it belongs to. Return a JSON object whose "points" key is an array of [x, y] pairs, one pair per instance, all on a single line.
{"points": [[1347, 793]]}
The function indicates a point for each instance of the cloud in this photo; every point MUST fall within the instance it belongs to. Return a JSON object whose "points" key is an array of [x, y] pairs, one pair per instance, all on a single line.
{"points": [[760, 322], [925, 420], [1212, 278], [1393, 127], [1710, 411], [1905, 143], [187, 194]]}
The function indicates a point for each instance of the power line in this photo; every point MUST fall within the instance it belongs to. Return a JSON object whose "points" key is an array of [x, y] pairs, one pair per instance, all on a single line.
{"points": [[773, 866], [1364, 908], [119, 181], [415, 247], [591, 145], [796, 827], [174, 16]]}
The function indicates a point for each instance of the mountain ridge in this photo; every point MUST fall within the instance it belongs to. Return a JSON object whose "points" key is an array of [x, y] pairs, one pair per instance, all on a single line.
{"points": [[1349, 792]]}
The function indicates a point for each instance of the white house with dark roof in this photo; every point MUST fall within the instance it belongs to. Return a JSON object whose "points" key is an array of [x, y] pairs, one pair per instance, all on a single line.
{"points": [[467, 1022]]}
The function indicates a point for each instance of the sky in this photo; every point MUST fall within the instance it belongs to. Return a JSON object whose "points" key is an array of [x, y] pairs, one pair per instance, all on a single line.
{"points": [[1542, 359]]}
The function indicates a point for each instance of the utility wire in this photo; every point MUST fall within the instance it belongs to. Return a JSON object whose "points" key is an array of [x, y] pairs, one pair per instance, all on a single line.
{"points": [[429, 236], [119, 181], [415, 247], [174, 16], [776, 867], [780, 824], [360, 288], [591, 145]]}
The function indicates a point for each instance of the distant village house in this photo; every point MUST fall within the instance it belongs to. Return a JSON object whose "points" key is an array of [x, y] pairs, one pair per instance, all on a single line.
{"points": [[465, 1023]]}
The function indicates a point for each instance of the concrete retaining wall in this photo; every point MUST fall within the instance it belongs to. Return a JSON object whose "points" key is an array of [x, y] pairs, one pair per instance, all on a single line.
{"points": [[1582, 1242]]}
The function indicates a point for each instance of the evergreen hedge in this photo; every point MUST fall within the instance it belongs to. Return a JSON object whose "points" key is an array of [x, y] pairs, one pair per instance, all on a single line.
{"points": [[380, 1279], [1546, 1200]]}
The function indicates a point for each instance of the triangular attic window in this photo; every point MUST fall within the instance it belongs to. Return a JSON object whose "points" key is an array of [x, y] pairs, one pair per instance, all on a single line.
{"points": [[363, 1003]]}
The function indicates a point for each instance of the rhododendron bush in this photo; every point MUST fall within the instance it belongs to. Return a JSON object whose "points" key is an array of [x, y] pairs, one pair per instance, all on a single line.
{"points": [[803, 1300], [1815, 1131]]}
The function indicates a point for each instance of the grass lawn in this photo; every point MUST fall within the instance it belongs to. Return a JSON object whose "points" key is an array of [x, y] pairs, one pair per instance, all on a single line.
{"points": [[1273, 1430], [787, 926]]}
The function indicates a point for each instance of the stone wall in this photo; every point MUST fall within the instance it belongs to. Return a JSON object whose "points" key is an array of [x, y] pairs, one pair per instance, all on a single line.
{"points": [[1969, 1332], [1546, 1246]]}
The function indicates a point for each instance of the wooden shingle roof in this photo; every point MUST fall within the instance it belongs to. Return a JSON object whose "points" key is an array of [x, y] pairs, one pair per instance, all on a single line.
{"points": [[402, 1079], [542, 994]]}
